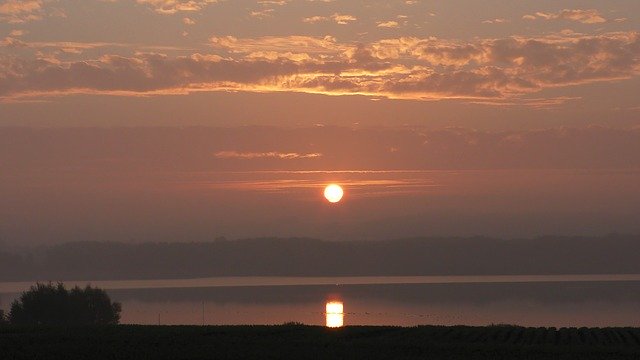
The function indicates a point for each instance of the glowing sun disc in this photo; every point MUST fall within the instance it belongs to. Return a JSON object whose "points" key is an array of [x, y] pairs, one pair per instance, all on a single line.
{"points": [[333, 193]]}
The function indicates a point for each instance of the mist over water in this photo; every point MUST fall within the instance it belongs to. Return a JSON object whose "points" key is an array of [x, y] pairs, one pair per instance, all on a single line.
{"points": [[568, 303]]}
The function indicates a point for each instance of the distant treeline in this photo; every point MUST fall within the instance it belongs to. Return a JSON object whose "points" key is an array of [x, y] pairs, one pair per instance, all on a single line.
{"points": [[310, 257]]}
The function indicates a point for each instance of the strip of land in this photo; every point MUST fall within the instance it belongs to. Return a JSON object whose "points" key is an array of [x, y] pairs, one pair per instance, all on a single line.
{"points": [[302, 257], [312, 342], [258, 281]]}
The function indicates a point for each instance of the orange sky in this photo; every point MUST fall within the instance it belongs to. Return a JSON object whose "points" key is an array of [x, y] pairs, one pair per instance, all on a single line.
{"points": [[197, 183], [493, 64], [176, 120]]}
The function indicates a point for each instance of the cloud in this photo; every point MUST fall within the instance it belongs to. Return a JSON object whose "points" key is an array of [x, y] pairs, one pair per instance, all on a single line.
{"points": [[20, 11], [262, 155], [309, 45], [173, 6], [12, 43], [514, 65], [314, 19], [261, 14], [79, 47], [273, 2], [590, 16], [341, 19], [17, 32], [491, 70], [387, 24], [496, 21]]}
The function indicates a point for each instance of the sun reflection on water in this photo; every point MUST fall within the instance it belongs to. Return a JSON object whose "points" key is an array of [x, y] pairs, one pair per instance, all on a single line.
{"points": [[335, 314]]}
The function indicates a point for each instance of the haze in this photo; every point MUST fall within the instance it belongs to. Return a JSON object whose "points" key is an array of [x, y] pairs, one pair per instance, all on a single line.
{"points": [[154, 120]]}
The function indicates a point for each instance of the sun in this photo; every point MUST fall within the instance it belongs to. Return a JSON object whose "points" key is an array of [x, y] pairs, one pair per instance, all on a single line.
{"points": [[333, 193]]}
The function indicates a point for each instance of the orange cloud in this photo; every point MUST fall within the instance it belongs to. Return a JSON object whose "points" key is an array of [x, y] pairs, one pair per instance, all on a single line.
{"points": [[387, 24], [262, 155], [308, 44], [403, 68], [19, 11], [590, 16], [261, 14], [174, 6], [342, 19]]}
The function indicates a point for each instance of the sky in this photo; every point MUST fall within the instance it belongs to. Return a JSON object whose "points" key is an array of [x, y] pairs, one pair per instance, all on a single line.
{"points": [[177, 120]]}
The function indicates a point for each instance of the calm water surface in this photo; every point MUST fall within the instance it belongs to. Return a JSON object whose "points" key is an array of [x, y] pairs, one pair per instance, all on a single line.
{"points": [[566, 300]]}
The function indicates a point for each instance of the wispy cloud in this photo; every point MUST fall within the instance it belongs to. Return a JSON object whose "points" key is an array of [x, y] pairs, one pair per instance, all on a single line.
{"points": [[341, 19], [263, 13], [273, 2], [356, 188], [262, 155], [174, 6], [79, 47], [309, 44], [590, 16], [496, 21], [387, 24]]}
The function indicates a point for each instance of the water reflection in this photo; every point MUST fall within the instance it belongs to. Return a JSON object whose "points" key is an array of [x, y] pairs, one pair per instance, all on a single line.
{"points": [[571, 303], [335, 314]]}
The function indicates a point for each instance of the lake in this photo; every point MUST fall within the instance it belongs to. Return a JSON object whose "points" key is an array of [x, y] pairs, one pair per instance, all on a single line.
{"points": [[545, 300]]}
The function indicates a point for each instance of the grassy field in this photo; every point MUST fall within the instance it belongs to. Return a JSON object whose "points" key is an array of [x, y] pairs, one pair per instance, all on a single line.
{"points": [[311, 342]]}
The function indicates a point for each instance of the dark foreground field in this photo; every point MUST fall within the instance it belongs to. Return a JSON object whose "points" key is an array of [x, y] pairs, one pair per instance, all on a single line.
{"points": [[310, 342]]}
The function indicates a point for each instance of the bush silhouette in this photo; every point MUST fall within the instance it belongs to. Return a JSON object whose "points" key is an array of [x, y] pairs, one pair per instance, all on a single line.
{"points": [[48, 304]]}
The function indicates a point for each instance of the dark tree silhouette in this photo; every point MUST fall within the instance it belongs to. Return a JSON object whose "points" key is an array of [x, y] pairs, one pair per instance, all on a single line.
{"points": [[48, 304], [2, 318]]}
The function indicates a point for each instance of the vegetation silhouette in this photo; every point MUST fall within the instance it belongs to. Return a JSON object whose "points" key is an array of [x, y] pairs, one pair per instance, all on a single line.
{"points": [[3, 320], [91, 261], [49, 304]]}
